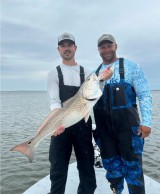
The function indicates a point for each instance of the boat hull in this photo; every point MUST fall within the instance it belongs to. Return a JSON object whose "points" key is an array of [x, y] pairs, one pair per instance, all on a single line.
{"points": [[43, 186]]}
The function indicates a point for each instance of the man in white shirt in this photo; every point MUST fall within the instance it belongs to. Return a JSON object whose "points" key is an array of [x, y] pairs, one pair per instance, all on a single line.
{"points": [[64, 82]]}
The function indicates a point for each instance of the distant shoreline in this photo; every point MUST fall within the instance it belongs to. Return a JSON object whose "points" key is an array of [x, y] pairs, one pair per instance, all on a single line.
{"points": [[44, 90], [23, 91]]}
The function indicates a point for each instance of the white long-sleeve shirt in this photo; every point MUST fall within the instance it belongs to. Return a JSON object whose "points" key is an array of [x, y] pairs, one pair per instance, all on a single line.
{"points": [[71, 77]]}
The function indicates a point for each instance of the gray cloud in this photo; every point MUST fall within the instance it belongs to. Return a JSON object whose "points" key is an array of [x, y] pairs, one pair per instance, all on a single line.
{"points": [[30, 30]]}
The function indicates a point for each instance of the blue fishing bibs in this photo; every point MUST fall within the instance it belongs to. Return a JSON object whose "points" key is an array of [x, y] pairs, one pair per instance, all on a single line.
{"points": [[118, 98], [117, 122], [116, 117], [117, 95]]}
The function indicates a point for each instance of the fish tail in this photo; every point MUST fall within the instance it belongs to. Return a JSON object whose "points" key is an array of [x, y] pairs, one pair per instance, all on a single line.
{"points": [[25, 148]]}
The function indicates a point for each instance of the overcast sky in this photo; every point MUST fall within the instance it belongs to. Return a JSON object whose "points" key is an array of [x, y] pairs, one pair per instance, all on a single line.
{"points": [[30, 29]]}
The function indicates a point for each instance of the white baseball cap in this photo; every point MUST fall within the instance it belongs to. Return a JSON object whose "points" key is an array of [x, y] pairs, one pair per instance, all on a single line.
{"points": [[66, 36]]}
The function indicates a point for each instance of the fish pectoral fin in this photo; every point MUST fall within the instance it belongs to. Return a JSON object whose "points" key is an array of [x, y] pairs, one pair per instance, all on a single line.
{"points": [[87, 117], [85, 112]]}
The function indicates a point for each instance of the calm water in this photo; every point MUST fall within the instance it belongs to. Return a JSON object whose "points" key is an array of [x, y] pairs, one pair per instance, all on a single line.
{"points": [[22, 112]]}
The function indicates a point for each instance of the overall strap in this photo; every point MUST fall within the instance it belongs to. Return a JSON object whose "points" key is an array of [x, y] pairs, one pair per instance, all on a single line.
{"points": [[60, 75], [97, 71], [81, 75], [121, 68]]}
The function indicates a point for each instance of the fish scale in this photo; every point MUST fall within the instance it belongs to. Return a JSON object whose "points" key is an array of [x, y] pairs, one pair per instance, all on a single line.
{"points": [[74, 110]]}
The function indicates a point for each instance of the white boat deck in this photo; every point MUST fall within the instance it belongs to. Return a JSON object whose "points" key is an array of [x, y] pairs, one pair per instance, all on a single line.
{"points": [[43, 186]]}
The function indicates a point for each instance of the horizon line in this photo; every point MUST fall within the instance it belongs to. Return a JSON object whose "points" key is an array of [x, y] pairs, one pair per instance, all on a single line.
{"points": [[44, 90]]}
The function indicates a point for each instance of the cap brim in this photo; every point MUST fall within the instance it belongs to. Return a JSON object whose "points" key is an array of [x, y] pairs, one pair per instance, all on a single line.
{"points": [[66, 40], [105, 41]]}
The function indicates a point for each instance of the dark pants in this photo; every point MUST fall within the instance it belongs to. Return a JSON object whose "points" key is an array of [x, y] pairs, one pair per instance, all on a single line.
{"points": [[80, 137], [121, 149]]}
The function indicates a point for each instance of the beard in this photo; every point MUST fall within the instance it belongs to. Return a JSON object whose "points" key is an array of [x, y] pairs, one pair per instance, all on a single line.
{"points": [[67, 55], [108, 58]]}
